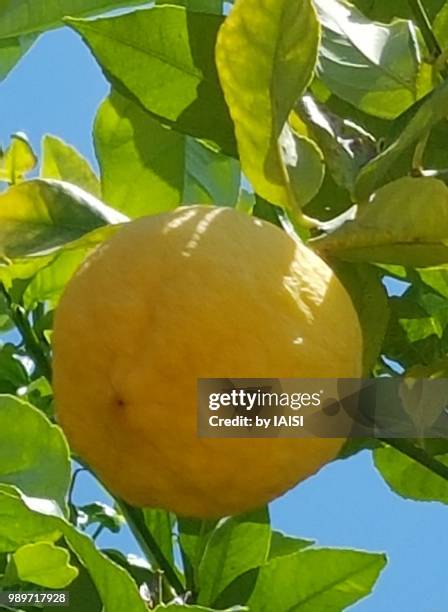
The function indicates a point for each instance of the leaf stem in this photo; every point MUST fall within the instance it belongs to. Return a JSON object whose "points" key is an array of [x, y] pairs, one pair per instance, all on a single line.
{"points": [[20, 319], [97, 532], [144, 537], [419, 455], [419, 153], [422, 20]]}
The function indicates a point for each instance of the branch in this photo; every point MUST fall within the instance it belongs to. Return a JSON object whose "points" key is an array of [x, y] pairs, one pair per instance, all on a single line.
{"points": [[419, 455]]}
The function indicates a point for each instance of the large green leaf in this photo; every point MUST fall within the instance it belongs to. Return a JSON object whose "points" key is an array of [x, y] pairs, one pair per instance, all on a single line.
{"points": [[41, 214], [44, 564], [266, 54], [238, 544], [164, 58], [409, 478], [405, 222], [147, 168], [12, 50], [63, 162], [141, 161], [376, 173], [311, 580], [34, 455], [371, 65], [25, 520], [24, 16]]}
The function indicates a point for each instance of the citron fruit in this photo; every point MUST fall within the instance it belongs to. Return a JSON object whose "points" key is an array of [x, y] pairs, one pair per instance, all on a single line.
{"points": [[201, 292]]}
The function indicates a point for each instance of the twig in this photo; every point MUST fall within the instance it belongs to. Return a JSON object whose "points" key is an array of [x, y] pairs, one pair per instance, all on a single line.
{"points": [[423, 22], [419, 455], [97, 532], [30, 340], [144, 537]]}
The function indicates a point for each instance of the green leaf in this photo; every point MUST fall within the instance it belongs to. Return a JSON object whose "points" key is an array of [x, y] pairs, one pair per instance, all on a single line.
{"points": [[22, 268], [20, 525], [431, 111], [25, 520], [238, 544], [24, 16], [34, 455], [410, 479], [161, 525], [63, 162], [82, 592], [282, 545], [405, 222], [136, 566], [164, 59], [304, 164], [12, 372], [42, 214], [436, 278], [142, 162], [440, 26], [44, 564], [352, 446], [346, 146], [210, 177], [266, 54], [418, 332], [147, 168], [5, 321], [373, 66], [193, 537], [18, 160], [311, 580], [363, 283], [12, 50], [48, 283], [117, 589], [385, 10]]}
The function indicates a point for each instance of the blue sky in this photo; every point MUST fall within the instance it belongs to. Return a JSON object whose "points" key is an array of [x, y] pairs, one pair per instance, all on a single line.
{"points": [[56, 89]]}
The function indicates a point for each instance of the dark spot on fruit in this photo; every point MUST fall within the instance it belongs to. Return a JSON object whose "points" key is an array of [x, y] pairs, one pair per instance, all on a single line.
{"points": [[120, 402]]}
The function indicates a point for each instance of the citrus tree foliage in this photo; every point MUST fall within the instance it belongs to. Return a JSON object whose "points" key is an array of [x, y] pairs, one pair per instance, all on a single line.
{"points": [[335, 114]]}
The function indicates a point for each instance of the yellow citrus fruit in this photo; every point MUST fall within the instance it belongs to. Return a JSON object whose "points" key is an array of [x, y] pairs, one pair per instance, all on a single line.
{"points": [[201, 292]]}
